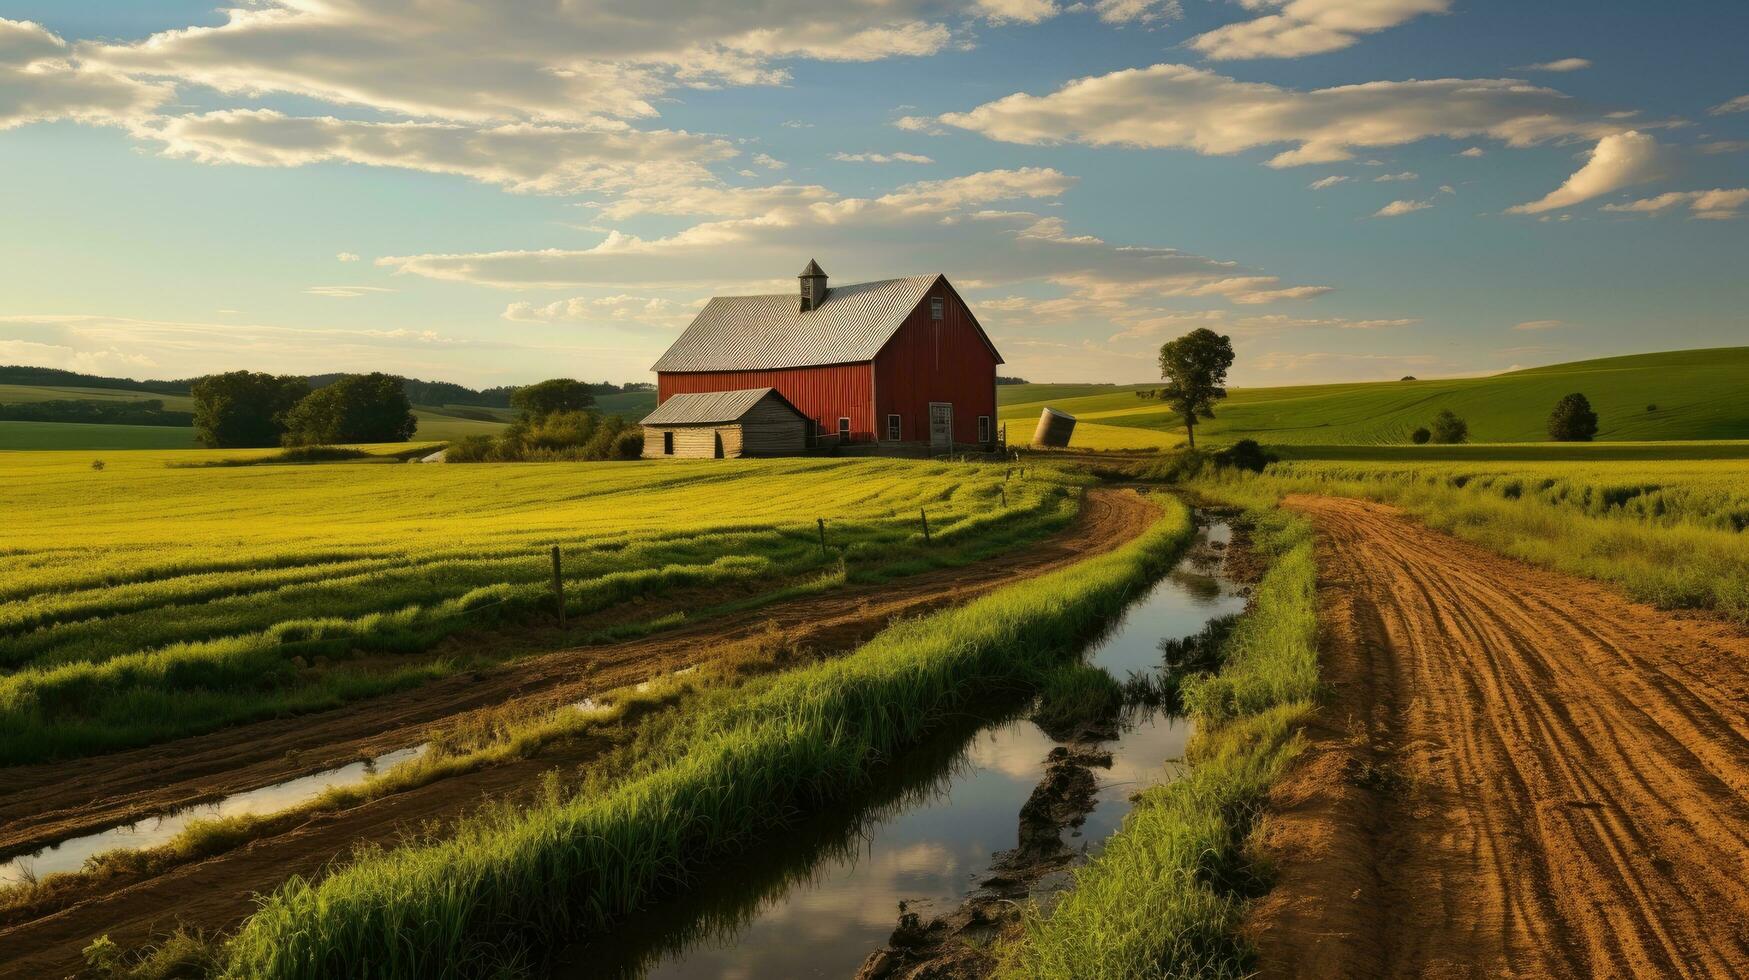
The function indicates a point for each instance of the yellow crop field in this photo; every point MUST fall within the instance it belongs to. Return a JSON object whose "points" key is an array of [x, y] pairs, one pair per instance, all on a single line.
{"points": [[143, 600]]}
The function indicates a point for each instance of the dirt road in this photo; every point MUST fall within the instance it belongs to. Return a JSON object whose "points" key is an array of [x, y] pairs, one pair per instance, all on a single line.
{"points": [[1519, 773], [44, 802]]}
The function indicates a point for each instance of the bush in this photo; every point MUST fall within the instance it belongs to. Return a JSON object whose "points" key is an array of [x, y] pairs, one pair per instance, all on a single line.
{"points": [[1448, 429], [1572, 420], [630, 443], [1652, 407], [560, 436], [1420, 436], [1408, 377], [1245, 454]]}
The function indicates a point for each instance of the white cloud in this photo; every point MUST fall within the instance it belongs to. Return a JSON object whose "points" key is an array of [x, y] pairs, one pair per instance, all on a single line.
{"points": [[1179, 106], [1558, 65], [557, 62], [616, 309], [107, 361], [523, 157], [1474, 152], [1390, 178], [1399, 208], [1716, 204], [1021, 11], [40, 80], [1138, 11], [882, 158], [1619, 160], [1738, 104], [1303, 27], [347, 256], [346, 292], [1540, 325], [769, 162], [1323, 183]]}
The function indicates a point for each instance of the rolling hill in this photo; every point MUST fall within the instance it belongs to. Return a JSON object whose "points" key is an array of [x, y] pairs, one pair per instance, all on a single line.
{"points": [[1697, 394]]}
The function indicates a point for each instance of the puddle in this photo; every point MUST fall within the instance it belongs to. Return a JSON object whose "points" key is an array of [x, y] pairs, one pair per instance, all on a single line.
{"points": [[820, 902], [70, 855]]}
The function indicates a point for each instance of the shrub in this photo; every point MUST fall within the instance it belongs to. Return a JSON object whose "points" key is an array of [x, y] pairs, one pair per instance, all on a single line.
{"points": [[1408, 377], [630, 443], [1245, 454], [1420, 436], [1652, 407], [1572, 420], [1448, 429]]}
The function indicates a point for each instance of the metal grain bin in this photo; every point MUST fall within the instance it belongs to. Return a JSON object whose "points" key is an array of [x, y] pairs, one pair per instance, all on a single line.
{"points": [[1054, 429]]}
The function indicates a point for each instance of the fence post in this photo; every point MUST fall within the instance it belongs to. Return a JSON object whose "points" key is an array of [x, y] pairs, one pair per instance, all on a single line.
{"points": [[1004, 495], [558, 587], [925, 515], [822, 521]]}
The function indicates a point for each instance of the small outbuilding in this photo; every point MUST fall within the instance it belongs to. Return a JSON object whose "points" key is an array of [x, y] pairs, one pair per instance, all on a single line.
{"points": [[725, 425]]}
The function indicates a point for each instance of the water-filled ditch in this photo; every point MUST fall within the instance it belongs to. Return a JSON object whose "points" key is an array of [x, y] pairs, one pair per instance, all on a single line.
{"points": [[945, 830]]}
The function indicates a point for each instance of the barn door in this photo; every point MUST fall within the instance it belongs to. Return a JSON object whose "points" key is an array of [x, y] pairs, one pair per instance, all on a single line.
{"points": [[941, 425]]}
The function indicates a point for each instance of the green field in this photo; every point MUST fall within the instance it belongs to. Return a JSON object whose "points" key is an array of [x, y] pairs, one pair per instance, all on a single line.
{"points": [[144, 600], [1699, 394]]}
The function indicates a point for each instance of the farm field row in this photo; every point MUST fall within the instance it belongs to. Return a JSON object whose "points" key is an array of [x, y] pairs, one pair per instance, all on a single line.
{"points": [[1673, 533], [144, 601]]}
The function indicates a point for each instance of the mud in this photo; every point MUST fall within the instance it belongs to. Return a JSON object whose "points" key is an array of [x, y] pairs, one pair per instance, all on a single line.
{"points": [[1517, 773], [42, 804]]}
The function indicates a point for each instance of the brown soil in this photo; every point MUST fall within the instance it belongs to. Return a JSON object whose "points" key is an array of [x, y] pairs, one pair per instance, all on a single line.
{"points": [[51, 802], [1517, 773]]}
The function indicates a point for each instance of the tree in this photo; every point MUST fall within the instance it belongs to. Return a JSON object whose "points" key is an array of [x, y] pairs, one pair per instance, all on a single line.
{"points": [[1420, 436], [537, 401], [1572, 420], [357, 408], [243, 408], [1448, 428], [1195, 368]]}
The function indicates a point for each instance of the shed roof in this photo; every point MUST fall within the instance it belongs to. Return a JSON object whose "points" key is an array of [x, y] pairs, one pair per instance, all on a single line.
{"points": [[706, 407], [757, 333]]}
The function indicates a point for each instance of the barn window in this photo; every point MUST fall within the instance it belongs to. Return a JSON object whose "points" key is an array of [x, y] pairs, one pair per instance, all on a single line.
{"points": [[892, 428], [983, 428], [843, 429], [667, 443], [935, 307]]}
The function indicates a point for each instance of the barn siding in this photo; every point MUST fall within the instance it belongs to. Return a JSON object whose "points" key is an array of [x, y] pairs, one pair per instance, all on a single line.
{"points": [[944, 360], [823, 393]]}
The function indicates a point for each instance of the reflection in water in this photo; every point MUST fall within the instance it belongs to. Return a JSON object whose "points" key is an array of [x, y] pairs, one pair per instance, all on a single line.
{"points": [[817, 903], [70, 855]]}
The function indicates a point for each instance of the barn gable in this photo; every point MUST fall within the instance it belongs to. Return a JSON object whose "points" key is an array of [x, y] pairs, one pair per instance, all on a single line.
{"points": [[762, 333]]}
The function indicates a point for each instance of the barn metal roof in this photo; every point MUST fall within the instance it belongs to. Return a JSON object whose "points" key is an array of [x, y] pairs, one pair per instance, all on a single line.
{"points": [[757, 333], [706, 407]]}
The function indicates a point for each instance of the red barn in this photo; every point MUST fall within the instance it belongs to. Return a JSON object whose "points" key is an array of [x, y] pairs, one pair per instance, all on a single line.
{"points": [[895, 361]]}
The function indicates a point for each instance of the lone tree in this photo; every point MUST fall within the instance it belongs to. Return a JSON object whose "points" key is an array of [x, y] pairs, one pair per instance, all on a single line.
{"points": [[243, 409], [1448, 428], [1195, 368], [1420, 436], [1572, 420], [357, 408], [537, 401]]}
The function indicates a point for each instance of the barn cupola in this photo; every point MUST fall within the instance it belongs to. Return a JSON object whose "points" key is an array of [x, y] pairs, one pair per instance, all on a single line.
{"points": [[813, 286]]}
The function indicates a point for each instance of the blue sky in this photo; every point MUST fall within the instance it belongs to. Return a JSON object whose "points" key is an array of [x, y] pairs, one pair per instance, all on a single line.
{"points": [[492, 194]]}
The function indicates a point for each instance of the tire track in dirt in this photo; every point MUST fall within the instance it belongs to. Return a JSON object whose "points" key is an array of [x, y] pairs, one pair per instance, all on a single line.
{"points": [[218, 891], [1518, 772]]}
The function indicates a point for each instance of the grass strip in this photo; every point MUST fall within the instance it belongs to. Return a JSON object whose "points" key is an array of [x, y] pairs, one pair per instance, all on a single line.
{"points": [[1166, 895], [515, 881]]}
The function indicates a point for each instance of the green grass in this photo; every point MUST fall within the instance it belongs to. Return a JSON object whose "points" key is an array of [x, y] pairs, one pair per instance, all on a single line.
{"points": [[1674, 533], [633, 405], [90, 437], [144, 602], [1700, 394], [1166, 895], [736, 767], [20, 394]]}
